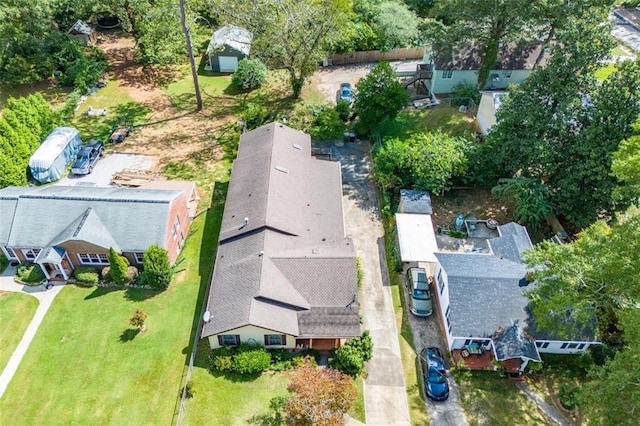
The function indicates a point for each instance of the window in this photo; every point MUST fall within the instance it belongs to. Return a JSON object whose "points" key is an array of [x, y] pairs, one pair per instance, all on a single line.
{"points": [[507, 73], [275, 339], [581, 346], [175, 228], [93, 258], [228, 339], [447, 74], [572, 345], [467, 342], [181, 241], [138, 256], [447, 317], [545, 345], [10, 253], [440, 281], [30, 254], [564, 345]]}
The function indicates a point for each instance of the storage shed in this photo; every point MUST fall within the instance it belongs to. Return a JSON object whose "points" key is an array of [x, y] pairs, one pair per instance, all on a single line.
{"points": [[50, 160], [83, 32], [228, 45]]}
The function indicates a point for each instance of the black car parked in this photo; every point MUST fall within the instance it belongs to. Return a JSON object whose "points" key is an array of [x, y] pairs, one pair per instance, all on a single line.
{"points": [[87, 158]]}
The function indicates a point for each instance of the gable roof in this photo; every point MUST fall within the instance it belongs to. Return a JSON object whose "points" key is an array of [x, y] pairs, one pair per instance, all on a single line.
{"points": [[513, 240], [233, 36], [129, 218], [512, 56], [512, 342], [291, 254], [81, 27]]}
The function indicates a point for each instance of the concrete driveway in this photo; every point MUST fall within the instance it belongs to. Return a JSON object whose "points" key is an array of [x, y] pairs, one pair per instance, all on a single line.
{"points": [[107, 166], [384, 389]]}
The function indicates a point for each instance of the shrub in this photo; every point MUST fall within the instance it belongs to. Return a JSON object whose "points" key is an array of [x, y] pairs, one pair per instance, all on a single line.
{"points": [[570, 396], [254, 115], [86, 275], [138, 319], [4, 262], [251, 362], [463, 92], [348, 359], [130, 276], [359, 271], [30, 273], [157, 271], [251, 74], [106, 274], [119, 265], [328, 125], [221, 359], [343, 108]]}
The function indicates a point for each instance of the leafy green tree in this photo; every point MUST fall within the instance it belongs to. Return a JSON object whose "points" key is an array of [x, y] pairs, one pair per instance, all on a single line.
{"points": [[328, 125], [626, 167], [251, 74], [157, 271], [118, 267], [351, 357], [427, 161], [598, 273], [531, 197], [289, 34], [379, 97], [396, 25]]}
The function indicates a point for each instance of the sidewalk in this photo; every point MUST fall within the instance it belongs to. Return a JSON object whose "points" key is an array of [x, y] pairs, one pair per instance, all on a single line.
{"points": [[45, 297]]}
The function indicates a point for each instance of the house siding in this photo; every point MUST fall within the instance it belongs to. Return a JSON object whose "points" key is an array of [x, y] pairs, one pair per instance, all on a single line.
{"points": [[440, 85], [442, 300], [253, 334], [555, 346], [178, 208]]}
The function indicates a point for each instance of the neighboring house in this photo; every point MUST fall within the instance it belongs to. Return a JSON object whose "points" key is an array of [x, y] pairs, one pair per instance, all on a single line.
{"points": [[63, 227], [489, 105], [448, 69], [83, 32], [285, 273], [481, 297], [228, 45]]}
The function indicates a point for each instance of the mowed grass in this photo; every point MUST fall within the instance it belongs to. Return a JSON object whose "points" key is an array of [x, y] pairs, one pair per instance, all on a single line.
{"points": [[445, 119], [52, 92], [489, 400], [16, 312], [181, 92], [87, 365]]}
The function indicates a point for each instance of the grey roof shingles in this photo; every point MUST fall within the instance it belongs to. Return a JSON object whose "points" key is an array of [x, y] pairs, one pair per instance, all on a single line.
{"points": [[510, 57], [512, 342], [133, 218], [513, 240], [414, 201], [236, 37], [292, 255]]}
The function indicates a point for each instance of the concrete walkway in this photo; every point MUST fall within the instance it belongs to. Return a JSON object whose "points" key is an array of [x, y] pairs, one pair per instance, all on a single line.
{"points": [[45, 297], [384, 389], [543, 405]]}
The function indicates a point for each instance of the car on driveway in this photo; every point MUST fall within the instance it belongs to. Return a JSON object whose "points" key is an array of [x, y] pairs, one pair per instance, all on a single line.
{"points": [[87, 158], [436, 383], [346, 94], [421, 304]]}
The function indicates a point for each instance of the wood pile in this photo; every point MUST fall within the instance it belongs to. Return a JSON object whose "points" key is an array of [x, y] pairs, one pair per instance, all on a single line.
{"points": [[132, 177]]}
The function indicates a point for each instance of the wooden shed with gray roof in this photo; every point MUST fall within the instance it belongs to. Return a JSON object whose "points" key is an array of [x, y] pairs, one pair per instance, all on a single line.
{"points": [[285, 273]]}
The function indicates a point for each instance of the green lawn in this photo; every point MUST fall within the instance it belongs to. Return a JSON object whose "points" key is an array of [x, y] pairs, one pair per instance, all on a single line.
{"points": [[120, 107], [53, 93], [181, 92], [358, 409], [446, 119], [16, 312], [86, 365], [489, 399]]}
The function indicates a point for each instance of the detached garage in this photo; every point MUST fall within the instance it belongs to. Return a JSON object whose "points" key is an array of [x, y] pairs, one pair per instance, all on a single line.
{"points": [[228, 45]]}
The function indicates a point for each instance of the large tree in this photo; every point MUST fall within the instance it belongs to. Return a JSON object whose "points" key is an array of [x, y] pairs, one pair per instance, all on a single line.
{"points": [[561, 126], [289, 34], [379, 97]]}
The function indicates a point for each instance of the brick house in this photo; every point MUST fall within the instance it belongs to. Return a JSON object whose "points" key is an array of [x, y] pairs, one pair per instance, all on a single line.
{"points": [[63, 227]]}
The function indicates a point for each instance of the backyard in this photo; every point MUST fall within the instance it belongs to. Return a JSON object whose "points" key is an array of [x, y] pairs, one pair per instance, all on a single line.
{"points": [[16, 311]]}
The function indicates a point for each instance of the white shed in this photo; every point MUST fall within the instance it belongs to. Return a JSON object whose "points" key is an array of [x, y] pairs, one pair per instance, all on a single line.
{"points": [[53, 155], [417, 240]]}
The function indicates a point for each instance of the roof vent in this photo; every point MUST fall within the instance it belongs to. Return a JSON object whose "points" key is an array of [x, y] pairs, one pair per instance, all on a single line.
{"points": [[315, 251], [261, 253], [282, 169], [297, 146], [246, 221]]}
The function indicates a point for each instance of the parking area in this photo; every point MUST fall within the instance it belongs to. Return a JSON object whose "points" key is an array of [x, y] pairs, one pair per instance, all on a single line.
{"points": [[107, 166]]}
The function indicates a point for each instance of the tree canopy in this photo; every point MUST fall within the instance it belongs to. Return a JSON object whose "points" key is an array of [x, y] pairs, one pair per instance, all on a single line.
{"points": [[289, 34], [379, 97]]}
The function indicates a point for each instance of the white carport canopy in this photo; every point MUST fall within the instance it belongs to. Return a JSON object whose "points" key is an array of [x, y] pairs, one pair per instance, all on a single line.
{"points": [[416, 237]]}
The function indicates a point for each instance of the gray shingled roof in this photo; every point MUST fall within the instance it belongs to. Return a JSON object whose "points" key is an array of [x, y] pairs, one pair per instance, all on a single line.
{"points": [[329, 322], [484, 293], [512, 342], [513, 240], [510, 57], [414, 201], [292, 255], [134, 219]]}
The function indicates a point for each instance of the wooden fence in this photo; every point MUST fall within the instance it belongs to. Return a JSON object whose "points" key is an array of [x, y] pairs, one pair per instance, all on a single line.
{"points": [[376, 56]]}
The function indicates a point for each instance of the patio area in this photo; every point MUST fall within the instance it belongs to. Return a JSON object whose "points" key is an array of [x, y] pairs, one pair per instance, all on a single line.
{"points": [[484, 361]]}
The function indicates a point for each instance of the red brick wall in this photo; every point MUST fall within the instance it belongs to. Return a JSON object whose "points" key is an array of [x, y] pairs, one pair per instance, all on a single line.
{"points": [[178, 208]]}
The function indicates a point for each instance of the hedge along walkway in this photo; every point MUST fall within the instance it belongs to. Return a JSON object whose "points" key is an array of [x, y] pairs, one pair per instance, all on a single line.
{"points": [[45, 297]]}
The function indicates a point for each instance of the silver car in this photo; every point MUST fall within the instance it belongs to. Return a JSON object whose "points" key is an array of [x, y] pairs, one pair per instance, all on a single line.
{"points": [[421, 304]]}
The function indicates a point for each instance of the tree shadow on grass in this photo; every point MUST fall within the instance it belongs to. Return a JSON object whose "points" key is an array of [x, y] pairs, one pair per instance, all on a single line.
{"points": [[139, 294], [100, 291], [128, 335], [131, 112], [235, 377]]}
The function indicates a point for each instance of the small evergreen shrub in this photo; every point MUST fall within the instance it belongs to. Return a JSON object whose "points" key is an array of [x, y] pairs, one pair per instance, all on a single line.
{"points": [[157, 271], [86, 275], [131, 274], [348, 359], [119, 265], [30, 273], [343, 108], [4, 262], [251, 74], [105, 273], [252, 362], [221, 359]]}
